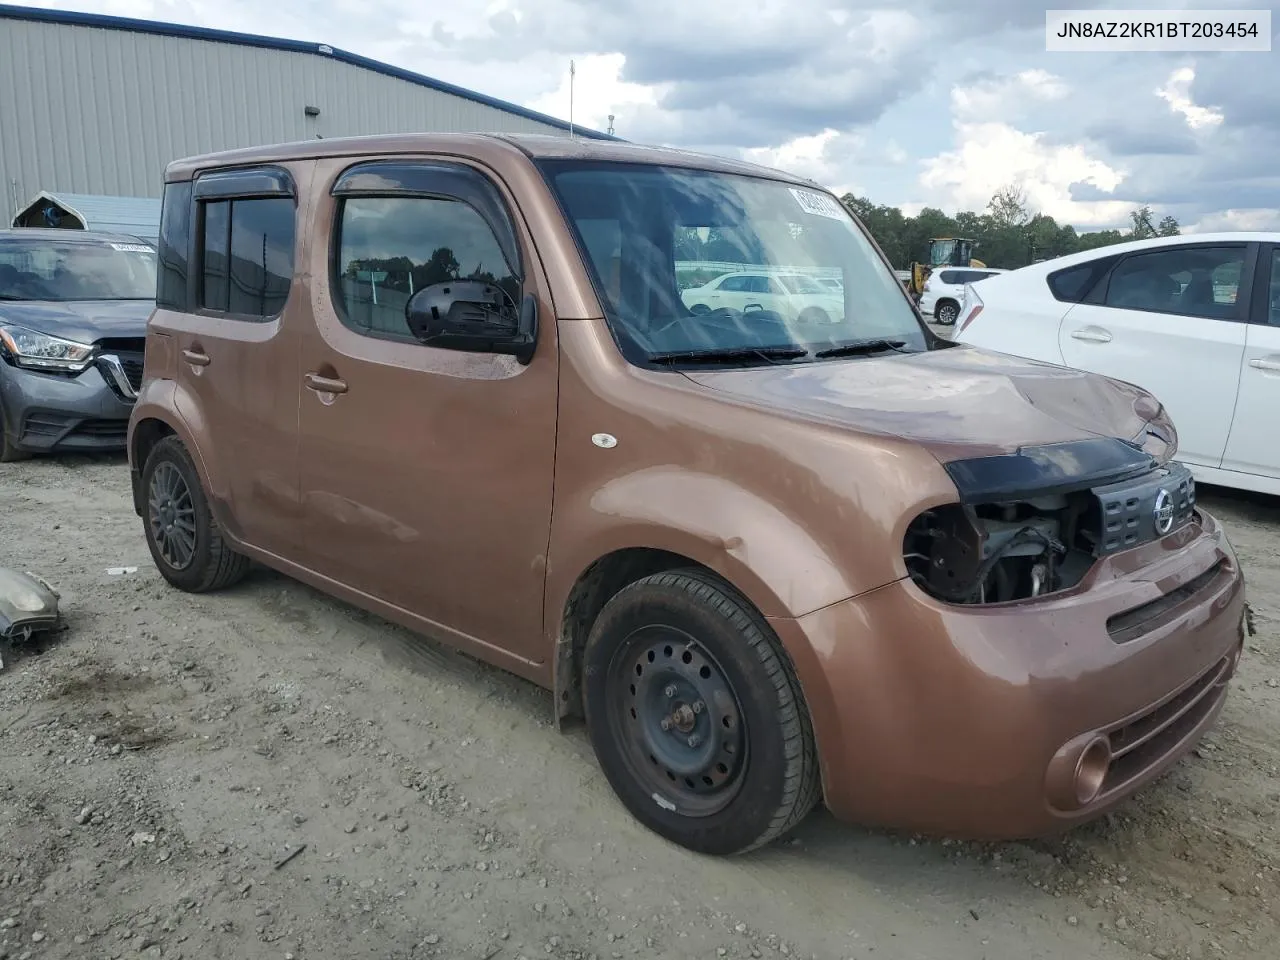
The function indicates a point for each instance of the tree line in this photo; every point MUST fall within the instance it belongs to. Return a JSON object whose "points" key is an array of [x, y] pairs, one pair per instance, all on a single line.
{"points": [[1009, 233]]}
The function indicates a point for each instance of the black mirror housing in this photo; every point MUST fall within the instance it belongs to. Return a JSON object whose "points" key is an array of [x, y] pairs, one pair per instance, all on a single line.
{"points": [[475, 316]]}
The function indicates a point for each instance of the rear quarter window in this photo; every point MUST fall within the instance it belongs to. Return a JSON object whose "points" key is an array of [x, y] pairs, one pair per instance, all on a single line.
{"points": [[1073, 284], [173, 247], [952, 277]]}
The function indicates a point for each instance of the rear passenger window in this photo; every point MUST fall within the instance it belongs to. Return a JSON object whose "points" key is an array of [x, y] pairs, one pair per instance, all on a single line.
{"points": [[1188, 281], [391, 247], [247, 255]]}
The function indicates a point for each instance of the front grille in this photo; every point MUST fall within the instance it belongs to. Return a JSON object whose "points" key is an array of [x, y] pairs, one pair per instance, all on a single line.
{"points": [[1143, 742], [1130, 512], [1132, 624], [131, 364], [121, 362]]}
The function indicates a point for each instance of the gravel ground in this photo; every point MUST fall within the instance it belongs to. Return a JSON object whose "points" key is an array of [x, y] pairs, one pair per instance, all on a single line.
{"points": [[164, 757]]}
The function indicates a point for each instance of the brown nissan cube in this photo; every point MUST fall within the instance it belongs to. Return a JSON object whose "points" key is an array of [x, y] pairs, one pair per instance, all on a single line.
{"points": [[663, 433]]}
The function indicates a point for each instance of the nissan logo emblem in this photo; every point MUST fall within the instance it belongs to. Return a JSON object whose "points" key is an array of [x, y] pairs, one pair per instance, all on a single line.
{"points": [[1163, 512]]}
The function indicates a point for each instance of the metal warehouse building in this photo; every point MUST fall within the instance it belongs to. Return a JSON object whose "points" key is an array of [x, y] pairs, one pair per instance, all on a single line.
{"points": [[99, 105]]}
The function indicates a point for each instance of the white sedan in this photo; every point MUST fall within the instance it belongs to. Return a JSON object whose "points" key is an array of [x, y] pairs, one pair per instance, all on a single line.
{"points": [[1194, 320]]}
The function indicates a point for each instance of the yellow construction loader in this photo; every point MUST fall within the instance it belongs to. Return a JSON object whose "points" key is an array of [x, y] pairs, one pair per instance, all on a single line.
{"points": [[943, 252]]}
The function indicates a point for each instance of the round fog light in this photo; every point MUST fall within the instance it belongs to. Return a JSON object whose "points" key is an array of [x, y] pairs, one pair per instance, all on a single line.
{"points": [[1091, 770]]}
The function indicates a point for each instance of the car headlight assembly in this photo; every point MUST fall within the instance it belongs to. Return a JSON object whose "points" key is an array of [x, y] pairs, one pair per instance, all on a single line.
{"points": [[39, 351]]}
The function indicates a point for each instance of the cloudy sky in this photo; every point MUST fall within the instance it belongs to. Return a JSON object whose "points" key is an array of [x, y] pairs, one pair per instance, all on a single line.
{"points": [[928, 103]]}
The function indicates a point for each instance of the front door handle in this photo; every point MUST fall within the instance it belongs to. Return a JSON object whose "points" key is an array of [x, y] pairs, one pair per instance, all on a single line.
{"points": [[1092, 335], [195, 358], [1261, 363], [324, 384]]}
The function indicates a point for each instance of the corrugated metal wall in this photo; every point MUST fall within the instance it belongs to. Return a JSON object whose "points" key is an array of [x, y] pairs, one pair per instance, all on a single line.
{"points": [[91, 110]]}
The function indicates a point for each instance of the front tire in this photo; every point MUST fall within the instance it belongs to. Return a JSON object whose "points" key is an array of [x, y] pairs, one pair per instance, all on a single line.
{"points": [[9, 452], [696, 715], [184, 538]]}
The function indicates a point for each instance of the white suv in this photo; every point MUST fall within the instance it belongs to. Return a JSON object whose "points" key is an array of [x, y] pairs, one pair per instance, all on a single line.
{"points": [[944, 290]]}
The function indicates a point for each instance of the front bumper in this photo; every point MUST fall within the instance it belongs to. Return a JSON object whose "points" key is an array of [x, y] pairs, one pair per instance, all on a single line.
{"points": [[47, 413], [971, 721]]}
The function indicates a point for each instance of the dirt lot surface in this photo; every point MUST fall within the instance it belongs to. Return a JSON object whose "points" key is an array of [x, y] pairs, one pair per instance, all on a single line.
{"points": [[162, 759]]}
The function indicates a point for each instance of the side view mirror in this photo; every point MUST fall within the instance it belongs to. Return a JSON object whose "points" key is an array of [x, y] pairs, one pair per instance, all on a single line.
{"points": [[473, 315]]}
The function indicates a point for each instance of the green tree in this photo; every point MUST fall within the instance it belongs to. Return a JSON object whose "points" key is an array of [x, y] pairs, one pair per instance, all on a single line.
{"points": [[1009, 232], [1142, 225]]}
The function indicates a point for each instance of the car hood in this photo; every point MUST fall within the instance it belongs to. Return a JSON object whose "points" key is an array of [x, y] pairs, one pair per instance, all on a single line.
{"points": [[83, 321], [959, 402]]}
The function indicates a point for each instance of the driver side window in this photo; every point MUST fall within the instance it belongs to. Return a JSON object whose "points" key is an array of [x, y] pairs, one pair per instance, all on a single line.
{"points": [[388, 248]]}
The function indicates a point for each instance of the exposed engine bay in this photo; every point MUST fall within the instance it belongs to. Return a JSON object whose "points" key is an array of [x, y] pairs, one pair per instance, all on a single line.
{"points": [[1001, 544]]}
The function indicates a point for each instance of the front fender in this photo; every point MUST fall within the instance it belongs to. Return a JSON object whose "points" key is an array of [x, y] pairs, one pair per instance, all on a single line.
{"points": [[754, 544]]}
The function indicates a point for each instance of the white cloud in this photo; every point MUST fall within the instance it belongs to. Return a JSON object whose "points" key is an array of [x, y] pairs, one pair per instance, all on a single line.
{"points": [[991, 155], [1005, 97], [1254, 219], [598, 91], [1177, 93]]}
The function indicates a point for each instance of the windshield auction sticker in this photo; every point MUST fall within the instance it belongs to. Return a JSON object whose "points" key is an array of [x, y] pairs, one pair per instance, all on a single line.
{"points": [[1186, 31], [818, 204], [131, 247]]}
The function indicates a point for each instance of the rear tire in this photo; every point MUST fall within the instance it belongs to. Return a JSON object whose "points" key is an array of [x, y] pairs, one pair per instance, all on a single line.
{"points": [[946, 312], [696, 715], [184, 538]]}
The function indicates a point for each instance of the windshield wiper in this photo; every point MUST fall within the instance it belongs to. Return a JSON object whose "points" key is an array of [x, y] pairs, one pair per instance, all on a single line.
{"points": [[729, 355], [862, 346], [10, 296]]}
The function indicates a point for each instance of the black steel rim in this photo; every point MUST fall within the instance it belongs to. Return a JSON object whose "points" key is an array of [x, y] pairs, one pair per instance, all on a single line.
{"points": [[678, 723], [171, 516]]}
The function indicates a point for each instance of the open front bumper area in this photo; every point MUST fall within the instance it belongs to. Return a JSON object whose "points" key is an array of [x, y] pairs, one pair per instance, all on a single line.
{"points": [[47, 413], [1018, 720]]}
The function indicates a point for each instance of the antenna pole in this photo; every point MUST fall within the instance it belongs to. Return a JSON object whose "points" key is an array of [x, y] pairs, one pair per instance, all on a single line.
{"points": [[571, 73]]}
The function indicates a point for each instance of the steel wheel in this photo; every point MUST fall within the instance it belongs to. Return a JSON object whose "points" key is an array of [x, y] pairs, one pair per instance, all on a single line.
{"points": [[171, 516], [677, 719]]}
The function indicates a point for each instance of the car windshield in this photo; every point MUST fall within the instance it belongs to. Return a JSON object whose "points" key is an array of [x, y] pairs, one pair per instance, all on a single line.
{"points": [[60, 270], [691, 263]]}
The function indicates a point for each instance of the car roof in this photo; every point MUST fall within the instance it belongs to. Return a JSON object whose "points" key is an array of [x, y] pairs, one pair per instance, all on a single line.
{"points": [[1129, 246], [69, 236], [482, 145]]}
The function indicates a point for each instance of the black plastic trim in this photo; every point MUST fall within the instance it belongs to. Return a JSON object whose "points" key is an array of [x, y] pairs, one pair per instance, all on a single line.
{"points": [[1047, 469], [244, 184]]}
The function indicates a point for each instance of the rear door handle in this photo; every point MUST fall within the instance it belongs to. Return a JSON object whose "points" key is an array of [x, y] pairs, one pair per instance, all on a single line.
{"points": [[324, 384], [195, 358], [1092, 335], [1271, 366]]}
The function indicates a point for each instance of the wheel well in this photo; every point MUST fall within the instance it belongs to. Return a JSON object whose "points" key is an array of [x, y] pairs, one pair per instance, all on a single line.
{"points": [[145, 436], [944, 300], [598, 584]]}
